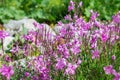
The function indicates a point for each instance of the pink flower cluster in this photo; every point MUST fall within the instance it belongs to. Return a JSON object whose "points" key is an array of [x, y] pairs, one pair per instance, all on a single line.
{"points": [[6, 71], [109, 70]]}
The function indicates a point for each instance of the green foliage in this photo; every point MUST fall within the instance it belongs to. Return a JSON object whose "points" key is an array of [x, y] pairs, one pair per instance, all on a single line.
{"points": [[54, 10], [106, 8], [41, 10]]}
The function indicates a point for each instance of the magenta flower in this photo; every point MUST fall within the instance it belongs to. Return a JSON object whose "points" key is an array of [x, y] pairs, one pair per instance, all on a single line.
{"points": [[61, 63], [71, 69], [75, 16], [79, 61], [14, 49], [60, 23], [26, 74], [108, 69], [71, 6], [63, 50], [38, 26], [63, 32], [104, 37], [3, 34], [7, 58], [116, 18], [93, 39], [75, 49], [117, 76], [94, 45], [94, 15], [113, 57], [7, 71], [35, 24], [41, 66], [30, 36], [95, 54], [26, 50]]}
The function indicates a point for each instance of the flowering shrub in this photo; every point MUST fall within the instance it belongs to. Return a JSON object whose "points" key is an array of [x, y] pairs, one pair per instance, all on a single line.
{"points": [[80, 50]]}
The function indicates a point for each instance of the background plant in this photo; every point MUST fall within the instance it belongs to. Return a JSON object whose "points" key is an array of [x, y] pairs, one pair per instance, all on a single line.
{"points": [[51, 11], [41, 10]]}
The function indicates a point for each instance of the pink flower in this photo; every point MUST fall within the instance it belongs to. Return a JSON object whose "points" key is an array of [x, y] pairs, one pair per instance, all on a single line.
{"points": [[113, 57], [7, 71], [35, 24], [117, 76], [3, 34], [14, 49], [30, 36], [63, 50], [75, 49], [116, 18], [60, 23], [79, 61], [71, 69], [71, 6], [7, 58], [108, 69], [94, 15], [61, 63], [95, 54], [75, 16], [26, 74], [93, 39], [104, 37]]}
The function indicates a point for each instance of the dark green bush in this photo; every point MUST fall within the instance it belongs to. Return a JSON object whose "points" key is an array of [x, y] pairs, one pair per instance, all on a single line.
{"points": [[41, 10], [54, 10], [106, 8]]}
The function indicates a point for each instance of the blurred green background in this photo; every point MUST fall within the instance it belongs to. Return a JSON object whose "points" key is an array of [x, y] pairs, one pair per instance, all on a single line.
{"points": [[51, 11]]}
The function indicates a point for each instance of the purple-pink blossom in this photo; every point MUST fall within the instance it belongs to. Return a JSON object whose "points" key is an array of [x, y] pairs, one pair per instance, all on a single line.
{"points": [[71, 6], [94, 15], [75, 47], [79, 62], [113, 57], [7, 71], [14, 49], [3, 34], [116, 76], [104, 37], [30, 36], [108, 69], [116, 18], [26, 74], [63, 50], [70, 70], [61, 63], [7, 58], [95, 54]]}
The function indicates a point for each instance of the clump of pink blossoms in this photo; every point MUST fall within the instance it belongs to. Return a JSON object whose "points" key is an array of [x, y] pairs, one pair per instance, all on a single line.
{"points": [[7, 71]]}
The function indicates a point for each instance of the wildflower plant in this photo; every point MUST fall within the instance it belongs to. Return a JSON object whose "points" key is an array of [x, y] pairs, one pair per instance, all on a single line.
{"points": [[81, 50]]}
